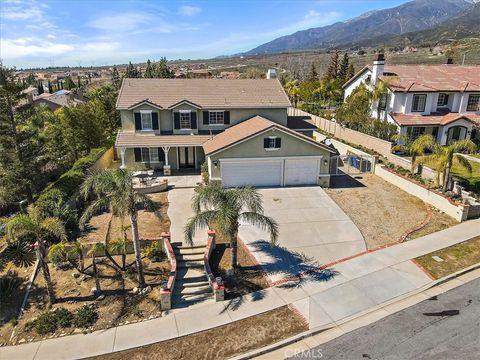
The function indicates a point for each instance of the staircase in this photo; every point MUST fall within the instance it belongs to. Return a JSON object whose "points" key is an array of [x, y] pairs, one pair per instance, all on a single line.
{"points": [[191, 284]]}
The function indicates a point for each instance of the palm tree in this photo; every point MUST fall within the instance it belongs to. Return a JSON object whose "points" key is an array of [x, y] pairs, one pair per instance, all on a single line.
{"points": [[114, 190], [37, 230], [416, 148], [224, 210], [119, 246], [444, 156], [97, 247]]}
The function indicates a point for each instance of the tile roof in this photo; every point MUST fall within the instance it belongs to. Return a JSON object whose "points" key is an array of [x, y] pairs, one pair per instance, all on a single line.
{"points": [[433, 119], [446, 77], [206, 93], [247, 129], [132, 139]]}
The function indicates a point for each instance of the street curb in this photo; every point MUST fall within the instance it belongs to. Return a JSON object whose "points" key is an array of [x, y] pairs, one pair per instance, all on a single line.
{"points": [[312, 332]]}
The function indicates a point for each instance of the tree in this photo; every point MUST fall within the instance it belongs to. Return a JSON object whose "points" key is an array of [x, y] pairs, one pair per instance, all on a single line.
{"points": [[114, 190], [293, 91], [119, 246], [31, 81], [149, 71], [224, 209], [115, 77], [132, 71], [34, 229], [443, 158], [332, 70], [416, 148], [162, 70], [69, 84], [40, 88], [351, 72], [355, 111], [50, 88], [313, 75], [94, 249], [343, 69]]}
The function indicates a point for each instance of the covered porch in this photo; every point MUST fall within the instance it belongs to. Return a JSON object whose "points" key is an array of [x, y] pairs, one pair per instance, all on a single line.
{"points": [[164, 154]]}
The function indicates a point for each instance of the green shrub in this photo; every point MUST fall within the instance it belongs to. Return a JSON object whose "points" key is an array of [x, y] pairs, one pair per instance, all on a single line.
{"points": [[154, 251], [86, 162], [9, 284], [63, 318], [85, 316], [204, 172], [45, 323]]}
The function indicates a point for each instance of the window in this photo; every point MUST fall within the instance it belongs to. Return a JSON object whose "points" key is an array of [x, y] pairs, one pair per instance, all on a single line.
{"points": [[442, 99], [272, 143], [149, 155], [146, 117], [418, 103], [415, 132], [185, 120], [216, 117], [473, 103]]}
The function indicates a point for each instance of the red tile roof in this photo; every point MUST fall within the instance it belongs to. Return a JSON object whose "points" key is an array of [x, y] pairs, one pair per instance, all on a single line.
{"points": [[446, 77], [440, 119]]}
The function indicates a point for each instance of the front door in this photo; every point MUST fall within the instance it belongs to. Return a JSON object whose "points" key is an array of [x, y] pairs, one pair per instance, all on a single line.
{"points": [[186, 157]]}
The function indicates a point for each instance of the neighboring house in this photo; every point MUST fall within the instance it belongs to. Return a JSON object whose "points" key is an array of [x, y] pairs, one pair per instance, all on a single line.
{"points": [[56, 100], [239, 127], [441, 100]]}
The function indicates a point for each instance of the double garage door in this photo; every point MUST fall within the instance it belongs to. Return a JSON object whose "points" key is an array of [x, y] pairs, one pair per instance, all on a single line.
{"points": [[270, 172]]}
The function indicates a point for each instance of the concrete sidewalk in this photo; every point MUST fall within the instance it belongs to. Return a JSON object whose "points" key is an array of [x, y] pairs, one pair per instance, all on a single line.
{"points": [[326, 298]]}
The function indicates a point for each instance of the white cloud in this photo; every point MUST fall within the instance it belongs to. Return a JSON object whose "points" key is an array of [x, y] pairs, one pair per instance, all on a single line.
{"points": [[18, 11], [312, 14], [187, 10], [121, 22], [23, 47], [51, 36]]}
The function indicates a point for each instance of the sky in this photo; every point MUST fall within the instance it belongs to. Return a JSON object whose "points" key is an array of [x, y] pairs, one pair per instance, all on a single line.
{"points": [[106, 32]]}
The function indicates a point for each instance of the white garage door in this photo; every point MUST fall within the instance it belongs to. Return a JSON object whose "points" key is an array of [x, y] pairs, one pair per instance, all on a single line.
{"points": [[257, 173], [301, 171]]}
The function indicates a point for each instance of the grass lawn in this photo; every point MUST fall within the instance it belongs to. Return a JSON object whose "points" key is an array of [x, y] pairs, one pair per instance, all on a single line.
{"points": [[455, 258], [470, 181], [224, 341]]}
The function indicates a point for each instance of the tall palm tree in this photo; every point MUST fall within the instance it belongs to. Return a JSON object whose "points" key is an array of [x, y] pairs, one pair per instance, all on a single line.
{"points": [[114, 190], [415, 148], [224, 210], [94, 249], [36, 229], [444, 156]]}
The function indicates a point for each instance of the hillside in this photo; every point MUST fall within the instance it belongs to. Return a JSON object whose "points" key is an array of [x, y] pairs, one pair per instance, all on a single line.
{"points": [[409, 17]]}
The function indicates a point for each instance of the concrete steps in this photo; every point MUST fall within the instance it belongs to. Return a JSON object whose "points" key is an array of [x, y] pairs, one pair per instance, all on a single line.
{"points": [[191, 285]]}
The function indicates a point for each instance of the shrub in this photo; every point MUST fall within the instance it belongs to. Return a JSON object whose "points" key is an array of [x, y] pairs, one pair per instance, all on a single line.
{"points": [[45, 323], [9, 284], [63, 318], [154, 251], [204, 172], [86, 162], [85, 316]]}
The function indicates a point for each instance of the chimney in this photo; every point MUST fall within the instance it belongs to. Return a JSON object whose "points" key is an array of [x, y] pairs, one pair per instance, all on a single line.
{"points": [[449, 61], [271, 74], [378, 67]]}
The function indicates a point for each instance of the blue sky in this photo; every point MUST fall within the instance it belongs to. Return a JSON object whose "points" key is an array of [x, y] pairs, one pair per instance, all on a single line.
{"points": [[101, 32]]}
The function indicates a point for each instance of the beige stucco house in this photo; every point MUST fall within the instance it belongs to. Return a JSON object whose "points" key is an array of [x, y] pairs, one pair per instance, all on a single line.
{"points": [[238, 127]]}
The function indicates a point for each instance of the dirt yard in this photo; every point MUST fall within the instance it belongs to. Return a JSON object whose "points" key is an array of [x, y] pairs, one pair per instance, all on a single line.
{"points": [[222, 342], [383, 212], [248, 278]]}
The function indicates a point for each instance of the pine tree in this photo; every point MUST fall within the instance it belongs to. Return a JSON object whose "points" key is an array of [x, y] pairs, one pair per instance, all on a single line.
{"points": [[69, 84], [351, 72], [115, 77], [313, 75], [31, 81], [132, 71], [50, 88], [79, 83], [162, 69], [332, 71], [149, 70], [343, 69], [40, 87]]}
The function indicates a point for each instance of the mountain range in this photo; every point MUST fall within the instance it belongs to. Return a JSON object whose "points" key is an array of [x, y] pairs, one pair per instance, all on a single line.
{"points": [[377, 26]]}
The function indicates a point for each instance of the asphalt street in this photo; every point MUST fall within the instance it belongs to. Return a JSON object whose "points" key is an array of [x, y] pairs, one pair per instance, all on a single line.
{"points": [[443, 327]]}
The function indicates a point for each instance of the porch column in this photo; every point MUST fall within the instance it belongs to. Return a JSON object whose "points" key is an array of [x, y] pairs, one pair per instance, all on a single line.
{"points": [[166, 168], [122, 156]]}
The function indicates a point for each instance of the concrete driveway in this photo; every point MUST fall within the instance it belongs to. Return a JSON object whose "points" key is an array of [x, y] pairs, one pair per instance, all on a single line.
{"points": [[313, 231]]}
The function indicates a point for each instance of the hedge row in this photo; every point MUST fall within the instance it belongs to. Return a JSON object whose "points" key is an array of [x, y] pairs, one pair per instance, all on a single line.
{"points": [[60, 191]]}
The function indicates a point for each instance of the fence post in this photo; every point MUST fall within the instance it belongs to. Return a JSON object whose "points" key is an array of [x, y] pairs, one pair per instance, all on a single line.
{"points": [[166, 290]]}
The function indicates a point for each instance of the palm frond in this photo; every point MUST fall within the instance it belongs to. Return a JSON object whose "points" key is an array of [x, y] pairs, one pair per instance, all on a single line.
{"points": [[249, 197], [92, 209], [463, 161], [198, 221], [146, 202], [19, 225], [20, 253], [54, 227], [265, 223]]}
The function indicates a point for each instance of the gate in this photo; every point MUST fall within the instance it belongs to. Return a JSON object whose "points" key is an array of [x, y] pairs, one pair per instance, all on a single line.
{"points": [[351, 164]]}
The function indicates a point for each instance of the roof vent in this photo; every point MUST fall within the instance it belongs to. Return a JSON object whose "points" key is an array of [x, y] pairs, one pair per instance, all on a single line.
{"points": [[449, 61]]}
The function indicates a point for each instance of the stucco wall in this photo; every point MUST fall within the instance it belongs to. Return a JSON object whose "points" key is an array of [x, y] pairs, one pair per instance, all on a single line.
{"points": [[291, 146]]}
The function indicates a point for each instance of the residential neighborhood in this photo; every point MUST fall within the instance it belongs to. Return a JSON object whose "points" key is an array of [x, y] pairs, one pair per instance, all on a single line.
{"points": [[231, 185]]}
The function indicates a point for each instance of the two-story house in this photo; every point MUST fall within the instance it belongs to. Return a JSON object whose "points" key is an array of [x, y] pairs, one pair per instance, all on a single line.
{"points": [[441, 100], [238, 127]]}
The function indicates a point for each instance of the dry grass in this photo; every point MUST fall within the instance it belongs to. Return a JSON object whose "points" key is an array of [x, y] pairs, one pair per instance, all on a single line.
{"points": [[381, 211], [456, 257], [222, 342]]}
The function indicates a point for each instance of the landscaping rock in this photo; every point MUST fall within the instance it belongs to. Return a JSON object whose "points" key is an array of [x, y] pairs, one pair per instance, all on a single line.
{"points": [[76, 275], [100, 298], [22, 341], [147, 289], [135, 290], [77, 331]]}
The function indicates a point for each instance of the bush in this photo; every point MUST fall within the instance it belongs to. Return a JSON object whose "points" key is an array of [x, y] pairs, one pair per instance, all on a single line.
{"points": [[154, 251], [85, 316], [63, 318], [86, 162], [45, 323], [9, 284]]}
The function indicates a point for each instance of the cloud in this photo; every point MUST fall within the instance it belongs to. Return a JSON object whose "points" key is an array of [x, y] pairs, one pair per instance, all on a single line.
{"points": [[18, 11], [24, 47], [121, 22], [187, 10], [312, 14]]}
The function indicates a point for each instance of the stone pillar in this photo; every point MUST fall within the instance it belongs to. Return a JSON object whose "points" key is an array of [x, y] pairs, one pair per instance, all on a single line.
{"points": [[165, 299], [166, 168]]}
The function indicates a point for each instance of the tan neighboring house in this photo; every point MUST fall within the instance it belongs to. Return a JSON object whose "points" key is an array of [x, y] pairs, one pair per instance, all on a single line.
{"points": [[238, 127], [441, 100]]}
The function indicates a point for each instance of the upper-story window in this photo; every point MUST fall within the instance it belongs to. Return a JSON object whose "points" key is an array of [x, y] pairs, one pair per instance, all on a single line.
{"points": [[185, 119], [473, 103], [216, 117], [418, 103], [442, 99], [146, 117], [272, 143]]}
